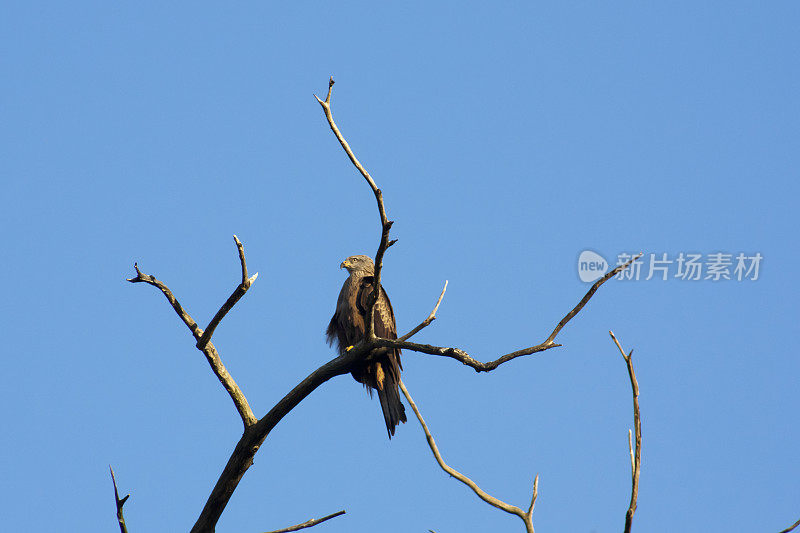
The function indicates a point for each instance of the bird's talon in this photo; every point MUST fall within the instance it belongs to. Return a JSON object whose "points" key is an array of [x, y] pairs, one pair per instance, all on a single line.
{"points": [[348, 348]]}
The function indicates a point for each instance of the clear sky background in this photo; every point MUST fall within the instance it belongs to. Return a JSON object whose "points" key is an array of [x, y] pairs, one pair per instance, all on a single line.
{"points": [[507, 138]]}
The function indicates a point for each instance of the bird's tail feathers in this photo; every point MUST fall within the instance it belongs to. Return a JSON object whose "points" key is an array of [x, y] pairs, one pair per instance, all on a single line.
{"points": [[394, 411]]}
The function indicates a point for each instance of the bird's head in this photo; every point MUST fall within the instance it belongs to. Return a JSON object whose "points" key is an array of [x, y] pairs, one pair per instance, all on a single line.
{"points": [[360, 264]]}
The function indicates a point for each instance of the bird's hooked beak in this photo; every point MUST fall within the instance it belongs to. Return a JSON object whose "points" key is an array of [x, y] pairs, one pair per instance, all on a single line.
{"points": [[345, 264]]}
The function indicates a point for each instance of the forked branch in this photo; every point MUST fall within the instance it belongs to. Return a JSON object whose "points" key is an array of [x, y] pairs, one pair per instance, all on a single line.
{"points": [[525, 516], [636, 454], [242, 457], [204, 343], [120, 502], [232, 299]]}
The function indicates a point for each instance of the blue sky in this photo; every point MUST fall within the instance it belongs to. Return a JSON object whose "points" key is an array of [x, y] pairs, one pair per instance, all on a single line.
{"points": [[507, 139]]}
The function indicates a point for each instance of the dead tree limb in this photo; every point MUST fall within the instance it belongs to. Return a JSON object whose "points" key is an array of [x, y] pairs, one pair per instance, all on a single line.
{"points": [[232, 299], [242, 457], [308, 523], [386, 224], [431, 317], [790, 528], [460, 355], [636, 455], [525, 516], [120, 502], [206, 346]]}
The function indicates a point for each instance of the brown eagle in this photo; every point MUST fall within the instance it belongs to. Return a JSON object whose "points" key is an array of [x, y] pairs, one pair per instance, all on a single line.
{"points": [[348, 327]]}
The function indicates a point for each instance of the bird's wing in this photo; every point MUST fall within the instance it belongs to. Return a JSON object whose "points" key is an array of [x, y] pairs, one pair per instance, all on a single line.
{"points": [[384, 315], [384, 318]]}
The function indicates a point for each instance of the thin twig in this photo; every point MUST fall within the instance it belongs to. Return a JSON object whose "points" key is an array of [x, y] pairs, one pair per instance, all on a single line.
{"points": [[460, 355], [151, 280], [488, 498], [534, 495], [386, 224], [589, 294], [308, 523], [790, 528], [232, 299], [120, 502], [209, 350], [636, 455], [427, 321]]}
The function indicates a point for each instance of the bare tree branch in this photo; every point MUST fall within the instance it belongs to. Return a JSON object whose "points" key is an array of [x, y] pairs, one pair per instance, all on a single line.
{"points": [[242, 457], [431, 317], [534, 495], [588, 295], [386, 224], [120, 502], [208, 348], [526, 517], [465, 358], [228, 305], [308, 523], [790, 528], [636, 456]]}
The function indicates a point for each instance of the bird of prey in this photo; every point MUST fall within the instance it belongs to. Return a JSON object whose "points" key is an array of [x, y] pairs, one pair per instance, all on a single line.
{"points": [[348, 327]]}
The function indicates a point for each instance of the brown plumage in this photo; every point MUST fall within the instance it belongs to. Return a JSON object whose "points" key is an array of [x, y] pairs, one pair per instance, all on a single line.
{"points": [[348, 327]]}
